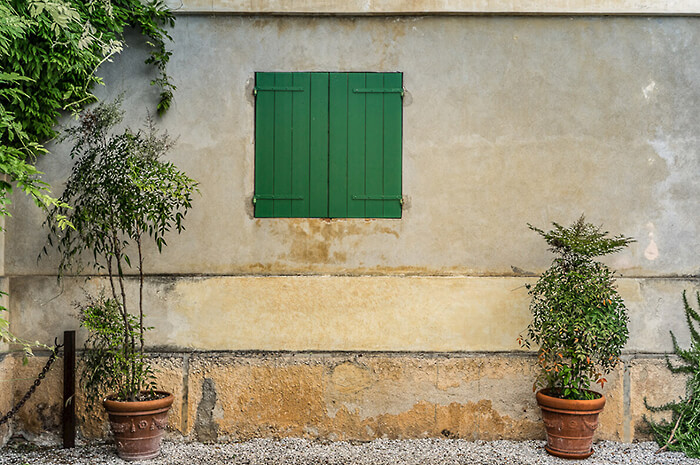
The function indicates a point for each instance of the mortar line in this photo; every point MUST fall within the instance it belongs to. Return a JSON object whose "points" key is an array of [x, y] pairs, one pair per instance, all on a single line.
{"points": [[478, 391], [626, 401], [437, 383], [185, 393], [161, 351]]}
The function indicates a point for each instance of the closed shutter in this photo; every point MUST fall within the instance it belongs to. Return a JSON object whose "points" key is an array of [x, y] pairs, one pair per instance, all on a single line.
{"points": [[328, 145]]}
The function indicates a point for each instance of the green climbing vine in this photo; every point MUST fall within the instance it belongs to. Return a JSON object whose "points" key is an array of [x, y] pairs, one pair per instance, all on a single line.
{"points": [[50, 51]]}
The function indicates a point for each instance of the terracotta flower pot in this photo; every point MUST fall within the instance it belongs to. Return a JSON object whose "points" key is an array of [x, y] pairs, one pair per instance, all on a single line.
{"points": [[138, 426], [570, 424]]}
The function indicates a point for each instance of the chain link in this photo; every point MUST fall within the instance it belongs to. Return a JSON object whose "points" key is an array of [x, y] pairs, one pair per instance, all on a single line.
{"points": [[33, 387]]}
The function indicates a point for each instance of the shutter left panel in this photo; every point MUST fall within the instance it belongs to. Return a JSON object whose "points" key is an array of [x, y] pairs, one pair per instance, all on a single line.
{"points": [[282, 149]]}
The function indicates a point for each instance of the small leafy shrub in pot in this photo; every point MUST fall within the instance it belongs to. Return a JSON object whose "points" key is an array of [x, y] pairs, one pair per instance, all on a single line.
{"points": [[122, 195], [108, 368], [579, 319]]}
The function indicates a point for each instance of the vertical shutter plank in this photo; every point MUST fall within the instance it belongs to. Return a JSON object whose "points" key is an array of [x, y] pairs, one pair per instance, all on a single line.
{"points": [[318, 169], [264, 144], [338, 145], [374, 176], [283, 145], [392, 144], [300, 146], [356, 146]]}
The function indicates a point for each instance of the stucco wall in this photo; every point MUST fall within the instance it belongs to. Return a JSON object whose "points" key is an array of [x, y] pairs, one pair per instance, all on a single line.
{"points": [[506, 120]]}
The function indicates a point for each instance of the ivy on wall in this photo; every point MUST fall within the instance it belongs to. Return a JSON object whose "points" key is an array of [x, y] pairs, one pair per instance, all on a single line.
{"points": [[50, 51]]}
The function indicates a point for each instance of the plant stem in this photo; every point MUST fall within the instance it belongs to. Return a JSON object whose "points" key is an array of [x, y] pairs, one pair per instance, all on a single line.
{"points": [[673, 431], [128, 345], [138, 244], [111, 278]]}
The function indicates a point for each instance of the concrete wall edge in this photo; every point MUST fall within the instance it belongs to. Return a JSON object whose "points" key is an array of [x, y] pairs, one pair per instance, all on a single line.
{"points": [[440, 7]]}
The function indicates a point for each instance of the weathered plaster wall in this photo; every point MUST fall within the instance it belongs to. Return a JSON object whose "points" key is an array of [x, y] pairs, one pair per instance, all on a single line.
{"points": [[506, 121]]}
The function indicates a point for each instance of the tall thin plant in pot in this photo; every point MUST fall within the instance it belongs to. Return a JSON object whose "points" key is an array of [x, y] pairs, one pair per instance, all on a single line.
{"points": [[123, 196], [580, 325]]}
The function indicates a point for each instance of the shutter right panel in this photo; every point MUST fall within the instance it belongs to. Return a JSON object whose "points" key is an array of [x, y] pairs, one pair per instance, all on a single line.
{"points": [[374, 145]]}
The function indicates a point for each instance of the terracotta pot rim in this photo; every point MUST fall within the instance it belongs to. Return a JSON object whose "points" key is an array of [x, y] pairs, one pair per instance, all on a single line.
{"points": [[545, 400], [139, 406]]}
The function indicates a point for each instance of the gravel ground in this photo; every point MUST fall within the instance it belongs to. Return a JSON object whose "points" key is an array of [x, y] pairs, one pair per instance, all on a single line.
{"points": [[379, 452]]}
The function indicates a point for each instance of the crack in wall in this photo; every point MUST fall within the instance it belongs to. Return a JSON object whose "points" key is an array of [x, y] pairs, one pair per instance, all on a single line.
{"points": [[185, 391], [205, 428]]}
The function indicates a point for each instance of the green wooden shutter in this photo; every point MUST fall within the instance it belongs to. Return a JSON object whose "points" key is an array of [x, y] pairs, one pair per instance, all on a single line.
{"points": [[365, 145], [328, 145], [291, 145]]}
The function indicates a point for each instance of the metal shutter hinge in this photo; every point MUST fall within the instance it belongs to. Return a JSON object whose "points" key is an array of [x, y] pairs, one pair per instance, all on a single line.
{"points": [[396, 90], [257, 197], [379, 197], [257, 89]]}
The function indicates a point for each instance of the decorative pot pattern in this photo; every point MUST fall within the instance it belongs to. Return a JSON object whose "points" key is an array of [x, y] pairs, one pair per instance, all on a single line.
{"points": [[138, 426], [570, 424]]}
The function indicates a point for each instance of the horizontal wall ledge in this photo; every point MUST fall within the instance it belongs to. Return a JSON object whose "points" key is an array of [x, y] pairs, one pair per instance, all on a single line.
{"points": [[328, 313], [441, 7]]}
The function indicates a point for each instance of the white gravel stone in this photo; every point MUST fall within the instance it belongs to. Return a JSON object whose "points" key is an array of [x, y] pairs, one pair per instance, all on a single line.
{"points": [[379, 452]]}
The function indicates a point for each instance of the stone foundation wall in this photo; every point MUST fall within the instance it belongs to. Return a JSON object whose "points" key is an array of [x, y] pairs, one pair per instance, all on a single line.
{"points": [[224, 396], [7, 363]]}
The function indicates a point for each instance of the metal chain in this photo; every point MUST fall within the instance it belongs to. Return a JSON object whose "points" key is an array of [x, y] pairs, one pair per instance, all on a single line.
{"points": [[36, 384]]}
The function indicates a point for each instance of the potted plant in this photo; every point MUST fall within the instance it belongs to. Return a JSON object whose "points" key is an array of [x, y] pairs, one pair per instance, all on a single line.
{"points": [[122, 195], [580, 325]]}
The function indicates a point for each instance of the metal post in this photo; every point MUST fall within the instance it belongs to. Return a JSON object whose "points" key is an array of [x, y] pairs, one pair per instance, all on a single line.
{"points": [[69, 389]]}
